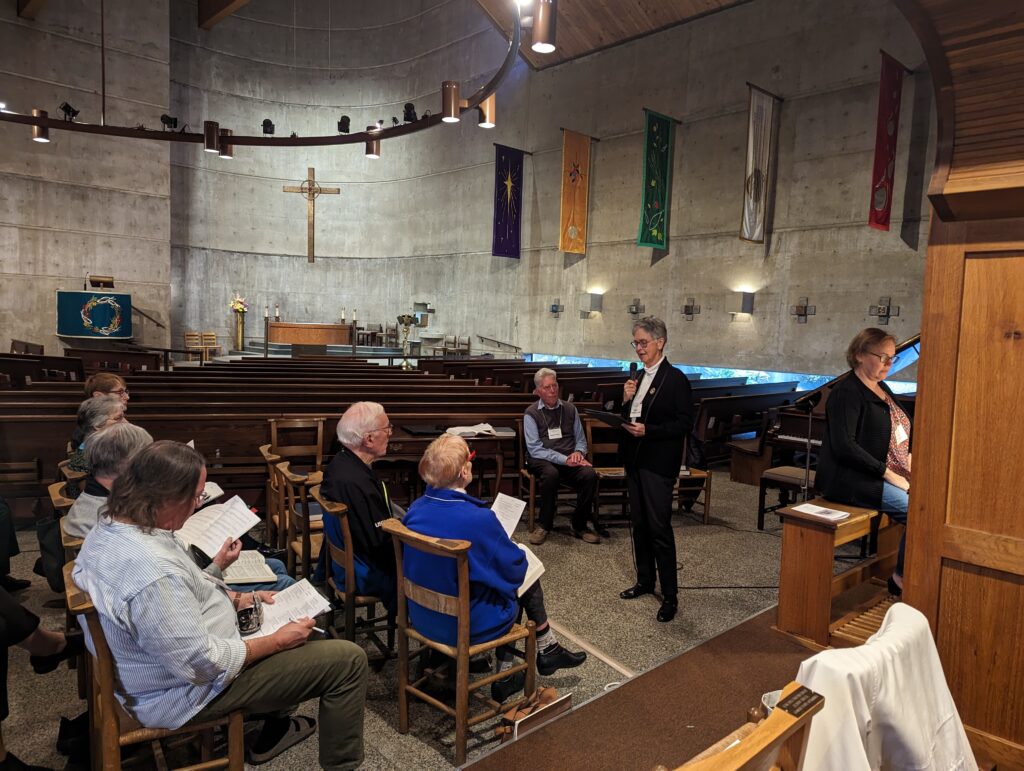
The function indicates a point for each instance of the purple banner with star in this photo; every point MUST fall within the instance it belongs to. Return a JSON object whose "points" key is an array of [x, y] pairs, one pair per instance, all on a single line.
{"points": [[508, 201], [657, 180]]}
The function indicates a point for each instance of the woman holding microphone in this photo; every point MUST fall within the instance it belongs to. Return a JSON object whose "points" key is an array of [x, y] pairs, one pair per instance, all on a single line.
{"points": [[658, 409]]}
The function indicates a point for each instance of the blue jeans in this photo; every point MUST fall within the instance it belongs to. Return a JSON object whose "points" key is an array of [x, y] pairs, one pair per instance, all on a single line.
{"points": [[894, 503], [283, 580]]}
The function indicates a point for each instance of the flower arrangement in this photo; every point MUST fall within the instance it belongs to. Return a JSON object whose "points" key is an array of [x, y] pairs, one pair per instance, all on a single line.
{"points": [[238, 304]]}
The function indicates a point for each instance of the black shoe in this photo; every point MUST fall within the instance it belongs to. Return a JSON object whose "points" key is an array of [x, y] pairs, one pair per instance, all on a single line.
{"points": [[894, 588], [73, 734], [507, 686], [13, 763], [637, 590], [75, 647], [668, 609], [12, 584], [556, 657], [479, 664]]}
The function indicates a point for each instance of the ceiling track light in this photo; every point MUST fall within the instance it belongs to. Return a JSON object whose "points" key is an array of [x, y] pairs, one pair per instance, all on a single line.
{"points": [[486, 108], [372, 145], [227, 150], [211, 136], [544, 22], [450, 101], [40, 133]]}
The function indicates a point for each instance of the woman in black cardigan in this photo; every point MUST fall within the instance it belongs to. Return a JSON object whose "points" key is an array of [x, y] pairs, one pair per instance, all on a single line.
{"points": [[865, 454], [659, 409]]}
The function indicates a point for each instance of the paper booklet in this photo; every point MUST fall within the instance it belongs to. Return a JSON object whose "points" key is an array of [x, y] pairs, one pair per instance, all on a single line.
{"points": [[250, 568], [509, 511], [295, 602], [832, 515], [534, 570], [480, 429], [208, 528], [211, 492]]}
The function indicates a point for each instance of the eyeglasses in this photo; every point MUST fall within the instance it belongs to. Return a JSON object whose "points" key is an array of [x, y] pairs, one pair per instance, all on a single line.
{"points": [[472, 454], [389, 428], [638, 344], [120, 392], [885, 358]]}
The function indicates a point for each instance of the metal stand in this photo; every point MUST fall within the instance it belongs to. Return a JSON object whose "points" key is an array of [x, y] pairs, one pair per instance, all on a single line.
{"points": [[806, 487]]}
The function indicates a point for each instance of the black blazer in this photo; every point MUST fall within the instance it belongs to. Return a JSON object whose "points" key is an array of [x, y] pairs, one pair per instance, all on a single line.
{"points": [[668, 414], [855, 446]]}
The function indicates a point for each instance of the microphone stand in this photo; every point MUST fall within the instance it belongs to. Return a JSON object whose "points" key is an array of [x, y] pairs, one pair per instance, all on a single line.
{"points": [[808, 403]]}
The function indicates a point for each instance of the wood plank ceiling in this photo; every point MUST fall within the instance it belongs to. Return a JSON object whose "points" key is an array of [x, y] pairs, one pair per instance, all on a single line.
{"points": [[586, 26]]}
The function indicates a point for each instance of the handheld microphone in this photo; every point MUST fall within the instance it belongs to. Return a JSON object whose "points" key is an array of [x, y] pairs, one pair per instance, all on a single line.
{"points": [[632, 370]]}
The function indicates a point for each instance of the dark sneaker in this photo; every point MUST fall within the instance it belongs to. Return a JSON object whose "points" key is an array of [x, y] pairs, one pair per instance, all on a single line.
{"points": [[556, 657], [502, 689]]}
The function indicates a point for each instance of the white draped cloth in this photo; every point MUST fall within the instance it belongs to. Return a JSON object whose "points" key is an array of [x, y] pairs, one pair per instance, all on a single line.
{"points": [[887, 705]]}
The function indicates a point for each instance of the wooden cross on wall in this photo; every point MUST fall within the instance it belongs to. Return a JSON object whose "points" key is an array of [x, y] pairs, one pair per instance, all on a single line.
{"points": [[310, 190]]}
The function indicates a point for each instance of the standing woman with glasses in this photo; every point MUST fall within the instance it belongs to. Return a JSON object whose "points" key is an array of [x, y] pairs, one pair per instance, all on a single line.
{"points": [[865, 453], [658, 409]]}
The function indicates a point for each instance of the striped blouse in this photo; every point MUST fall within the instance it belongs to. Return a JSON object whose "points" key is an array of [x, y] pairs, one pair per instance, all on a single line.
{"points": [[172, 630]]}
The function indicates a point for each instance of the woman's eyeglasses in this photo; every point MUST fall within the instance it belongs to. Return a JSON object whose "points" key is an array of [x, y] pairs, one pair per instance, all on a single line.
{"points": [[885, 358], [638, 344]]}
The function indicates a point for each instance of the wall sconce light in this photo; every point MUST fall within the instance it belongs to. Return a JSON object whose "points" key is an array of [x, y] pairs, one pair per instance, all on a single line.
{"points": [[450, 101], [556, 308], [409, 112], [802, 310], [344, 124], [690, 309], [544, 26], [169, 122], [227, 150], [372, 145], [268, 126], [211, 136], [486, 109], [884, 310], [740, 302], [590, 302], [40, 133], [636, 307]]}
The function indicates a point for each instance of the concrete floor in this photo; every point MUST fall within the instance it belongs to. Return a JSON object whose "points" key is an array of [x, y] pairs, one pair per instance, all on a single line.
{"points": [[728, 572]]}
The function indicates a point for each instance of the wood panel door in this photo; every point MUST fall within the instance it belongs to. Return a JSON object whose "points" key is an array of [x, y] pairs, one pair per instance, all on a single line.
{"points": [[965, 544]]}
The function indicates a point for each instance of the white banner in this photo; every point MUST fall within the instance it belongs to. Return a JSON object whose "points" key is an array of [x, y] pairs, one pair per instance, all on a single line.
{"points": [[760, 147]]}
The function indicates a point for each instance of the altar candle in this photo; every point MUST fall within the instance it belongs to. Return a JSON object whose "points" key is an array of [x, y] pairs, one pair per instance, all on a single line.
{"points": [[266, 311], [277, 311]]}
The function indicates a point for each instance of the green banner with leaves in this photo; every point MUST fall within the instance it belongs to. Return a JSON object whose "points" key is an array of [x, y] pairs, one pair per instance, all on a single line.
{"points": [[657, 180]]}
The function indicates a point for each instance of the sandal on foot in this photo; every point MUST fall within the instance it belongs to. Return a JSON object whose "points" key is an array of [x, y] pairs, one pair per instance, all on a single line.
{"points": [[301, 728]]}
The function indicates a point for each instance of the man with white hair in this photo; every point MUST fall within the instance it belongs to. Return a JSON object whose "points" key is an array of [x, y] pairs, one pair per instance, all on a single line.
{"points": [[556, 450], [363, 431]]}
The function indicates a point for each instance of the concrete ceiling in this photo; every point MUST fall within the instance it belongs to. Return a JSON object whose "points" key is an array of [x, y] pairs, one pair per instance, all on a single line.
{"points": [[586, 26]]}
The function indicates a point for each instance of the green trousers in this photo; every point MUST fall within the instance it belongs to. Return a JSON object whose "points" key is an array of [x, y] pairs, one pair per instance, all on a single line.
{"points": [[334, 670]]}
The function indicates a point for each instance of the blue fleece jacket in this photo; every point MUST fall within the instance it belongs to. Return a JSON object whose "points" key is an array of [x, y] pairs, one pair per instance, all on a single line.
{"points": [[496, 566]]}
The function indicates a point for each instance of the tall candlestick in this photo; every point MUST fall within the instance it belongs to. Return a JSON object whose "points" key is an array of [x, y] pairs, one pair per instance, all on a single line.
{"points": [[342, 315], [277, 311], [266, 311]]}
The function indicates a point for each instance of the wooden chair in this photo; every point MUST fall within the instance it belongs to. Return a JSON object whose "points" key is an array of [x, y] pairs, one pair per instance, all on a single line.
{"points": [[692, 483], [273, 527], [210, 345], [391, 335], [457, 606], [462, 345], [370, 626], [194, 345], [112, 728], [304, 527], [777, 742], [528, 482], [611, 480], [75, 479], [61, 503], [787, 480], [285, 432]]}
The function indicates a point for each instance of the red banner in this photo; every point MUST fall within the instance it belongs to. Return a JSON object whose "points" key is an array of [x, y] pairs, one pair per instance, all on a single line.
{"points": [[890, 90]]}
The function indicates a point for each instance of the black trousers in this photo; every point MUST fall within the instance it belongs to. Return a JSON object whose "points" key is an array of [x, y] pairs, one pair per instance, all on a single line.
{"points": [[582, 479], [16, 624], [654, 543]]}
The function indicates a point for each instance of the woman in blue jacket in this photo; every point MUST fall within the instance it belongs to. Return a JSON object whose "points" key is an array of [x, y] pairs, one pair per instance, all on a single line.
{"points": [[497, 566]]}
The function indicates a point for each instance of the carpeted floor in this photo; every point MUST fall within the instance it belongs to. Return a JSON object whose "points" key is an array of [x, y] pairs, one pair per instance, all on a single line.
{"points": [[728, 573]]}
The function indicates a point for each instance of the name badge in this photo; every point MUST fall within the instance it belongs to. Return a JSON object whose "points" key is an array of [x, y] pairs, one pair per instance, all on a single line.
{"points": [[901, 434], [554, 433]]}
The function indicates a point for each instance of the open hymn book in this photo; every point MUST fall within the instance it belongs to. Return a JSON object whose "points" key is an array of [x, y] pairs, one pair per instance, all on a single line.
{"points": [[481, 429], [250, 568], [509, 511], [297, 601], [210, 527]]}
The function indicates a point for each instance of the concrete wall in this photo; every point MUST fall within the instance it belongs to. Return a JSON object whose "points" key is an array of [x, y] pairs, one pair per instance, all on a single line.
{"points": [[82, 203], [415, 225]]}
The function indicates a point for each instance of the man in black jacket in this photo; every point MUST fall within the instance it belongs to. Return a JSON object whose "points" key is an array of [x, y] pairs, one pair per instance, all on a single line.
{"points": [[363, 431], [659, 408]]}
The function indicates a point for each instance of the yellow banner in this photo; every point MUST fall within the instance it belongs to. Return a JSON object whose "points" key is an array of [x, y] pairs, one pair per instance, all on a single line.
{"points": [[572, 235]]}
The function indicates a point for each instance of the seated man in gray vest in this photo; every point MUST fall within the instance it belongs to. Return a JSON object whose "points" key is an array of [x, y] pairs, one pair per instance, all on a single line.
{"points": [[556, 450]]}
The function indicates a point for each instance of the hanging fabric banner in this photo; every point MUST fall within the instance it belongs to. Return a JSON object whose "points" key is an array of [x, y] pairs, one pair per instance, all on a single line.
{"points": [[572, 234], [760, 149], [657, 179], [890, 92], [508, 201]]}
